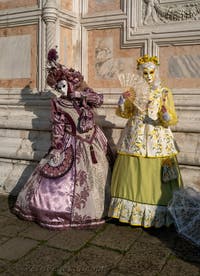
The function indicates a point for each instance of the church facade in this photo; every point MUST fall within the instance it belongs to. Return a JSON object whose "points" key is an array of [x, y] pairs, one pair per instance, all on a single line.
{"points": [[101, 39]]}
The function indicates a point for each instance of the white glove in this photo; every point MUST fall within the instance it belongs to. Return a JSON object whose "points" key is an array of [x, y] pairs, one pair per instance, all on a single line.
{"points": [[166, 116], [121, 103]]}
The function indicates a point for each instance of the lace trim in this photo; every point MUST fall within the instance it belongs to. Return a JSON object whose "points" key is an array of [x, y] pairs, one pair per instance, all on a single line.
{"points": [[139, 214]]}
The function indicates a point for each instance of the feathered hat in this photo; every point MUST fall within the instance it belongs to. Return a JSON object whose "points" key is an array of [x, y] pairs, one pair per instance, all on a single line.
{"points": [[58, 72]]}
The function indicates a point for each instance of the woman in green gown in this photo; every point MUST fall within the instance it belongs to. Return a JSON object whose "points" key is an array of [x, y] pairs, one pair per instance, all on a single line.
{"points": [[146, 171]]}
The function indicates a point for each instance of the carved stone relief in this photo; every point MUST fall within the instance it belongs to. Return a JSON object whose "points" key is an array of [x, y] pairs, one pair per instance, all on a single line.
{"points": [[154, 11], [104, 62], [106, 59], [108, 66]]}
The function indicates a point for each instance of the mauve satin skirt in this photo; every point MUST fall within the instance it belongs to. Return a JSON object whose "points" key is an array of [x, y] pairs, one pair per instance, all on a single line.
{"points": [[80, 198]]}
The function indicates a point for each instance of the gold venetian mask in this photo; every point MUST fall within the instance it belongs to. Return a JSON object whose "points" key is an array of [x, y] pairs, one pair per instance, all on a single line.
{"points": [[149, 74]]}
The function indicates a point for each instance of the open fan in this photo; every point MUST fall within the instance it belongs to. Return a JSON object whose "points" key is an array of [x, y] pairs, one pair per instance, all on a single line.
{"points": [[138, 88]]}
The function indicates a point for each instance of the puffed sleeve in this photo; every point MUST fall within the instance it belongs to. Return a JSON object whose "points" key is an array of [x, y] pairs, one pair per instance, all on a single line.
{"points": [[167, 113], [58, 126], [93, 99], [125, 108]]}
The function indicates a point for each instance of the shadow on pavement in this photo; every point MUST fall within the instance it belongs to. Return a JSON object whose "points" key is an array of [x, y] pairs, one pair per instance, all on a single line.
{"points": [[179, 246]]}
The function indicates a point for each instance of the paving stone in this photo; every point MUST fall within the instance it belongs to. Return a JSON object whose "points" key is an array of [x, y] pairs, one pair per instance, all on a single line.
{"points": [[4, 203], [117, 236], [144, 259], [3, 239], [166, 235], [8, 220], [112, 249], [8, 213], [11, 226], [91, 261], [71, 239], [16, 247], [3, 265], [12, 230], [115, 272], [99, 228], [178, 267], [187, 251], [36, 232], [41, 261]]}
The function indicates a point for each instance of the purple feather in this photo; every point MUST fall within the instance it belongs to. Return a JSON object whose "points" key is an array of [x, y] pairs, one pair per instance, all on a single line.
{"points": [[52, 55]]}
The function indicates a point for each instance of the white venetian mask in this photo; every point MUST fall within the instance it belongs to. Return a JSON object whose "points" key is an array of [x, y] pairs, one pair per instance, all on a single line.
{"points": [[62, 87]]}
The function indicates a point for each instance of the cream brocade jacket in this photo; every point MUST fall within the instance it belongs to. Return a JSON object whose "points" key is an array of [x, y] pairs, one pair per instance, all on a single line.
{"points": [[148, 134]]}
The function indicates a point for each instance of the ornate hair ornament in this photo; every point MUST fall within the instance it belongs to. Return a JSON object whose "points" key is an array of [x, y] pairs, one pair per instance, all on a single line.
{"points": [[146, 59]]}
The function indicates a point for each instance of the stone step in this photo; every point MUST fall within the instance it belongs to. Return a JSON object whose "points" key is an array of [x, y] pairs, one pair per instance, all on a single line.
{"points": [[24, 145]]}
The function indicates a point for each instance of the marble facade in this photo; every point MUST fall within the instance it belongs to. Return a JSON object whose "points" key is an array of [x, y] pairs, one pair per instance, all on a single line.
{"points": [[101, 39]]}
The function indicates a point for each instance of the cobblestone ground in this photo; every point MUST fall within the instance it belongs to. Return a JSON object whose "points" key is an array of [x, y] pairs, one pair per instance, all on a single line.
{"points": [[112, 249]]}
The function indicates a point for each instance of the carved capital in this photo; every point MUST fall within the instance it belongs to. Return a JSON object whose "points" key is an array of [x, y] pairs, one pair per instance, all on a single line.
{"points": [[49, 13]]}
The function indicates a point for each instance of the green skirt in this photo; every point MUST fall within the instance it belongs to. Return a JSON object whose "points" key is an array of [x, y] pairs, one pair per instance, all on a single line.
{"points": [[139, 196]]}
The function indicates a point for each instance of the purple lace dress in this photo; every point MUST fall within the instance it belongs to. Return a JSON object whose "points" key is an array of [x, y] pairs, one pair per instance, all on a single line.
{"points": [[79, 197]]}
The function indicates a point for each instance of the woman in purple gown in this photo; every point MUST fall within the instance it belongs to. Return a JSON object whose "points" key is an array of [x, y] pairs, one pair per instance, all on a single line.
{"points": [[70, 186]]}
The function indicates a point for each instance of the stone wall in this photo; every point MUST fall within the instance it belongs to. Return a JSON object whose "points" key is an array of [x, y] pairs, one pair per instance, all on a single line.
{"points": [[100, 38]]}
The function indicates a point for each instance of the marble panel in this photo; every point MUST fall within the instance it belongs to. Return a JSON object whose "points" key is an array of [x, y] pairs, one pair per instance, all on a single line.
{"points": [[10, 4], [66, 47], [66, 5], [103, 5], [14, 64], [22, 53], [180, 65]]}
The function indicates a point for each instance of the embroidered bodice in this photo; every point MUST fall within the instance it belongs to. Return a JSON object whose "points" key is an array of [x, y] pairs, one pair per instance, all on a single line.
{"points": [[148, 134]]}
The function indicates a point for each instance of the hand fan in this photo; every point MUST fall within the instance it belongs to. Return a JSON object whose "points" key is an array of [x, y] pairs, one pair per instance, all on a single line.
{"points": [[138, 88]]}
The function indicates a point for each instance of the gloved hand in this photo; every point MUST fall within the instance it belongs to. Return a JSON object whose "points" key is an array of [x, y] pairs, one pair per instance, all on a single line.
{"points": [[165, 115], [121, 100]]}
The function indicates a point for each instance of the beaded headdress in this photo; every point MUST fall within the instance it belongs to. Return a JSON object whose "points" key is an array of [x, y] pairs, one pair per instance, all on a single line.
{"points": [[147, 59]]}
